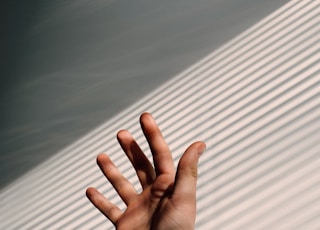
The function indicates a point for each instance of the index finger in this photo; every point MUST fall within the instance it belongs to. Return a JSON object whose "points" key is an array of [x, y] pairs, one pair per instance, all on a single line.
{"points": [[161, 153]]}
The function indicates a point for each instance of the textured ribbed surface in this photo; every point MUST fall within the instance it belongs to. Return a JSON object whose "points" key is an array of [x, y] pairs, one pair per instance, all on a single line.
{"points": [[256, 103]]}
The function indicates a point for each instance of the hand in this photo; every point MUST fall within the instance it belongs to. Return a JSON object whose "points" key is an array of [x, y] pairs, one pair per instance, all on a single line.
{"points": [[168, 198]]}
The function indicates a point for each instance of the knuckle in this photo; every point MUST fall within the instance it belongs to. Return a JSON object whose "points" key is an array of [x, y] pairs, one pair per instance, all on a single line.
{"points": [[162, 186], [194, 172]]}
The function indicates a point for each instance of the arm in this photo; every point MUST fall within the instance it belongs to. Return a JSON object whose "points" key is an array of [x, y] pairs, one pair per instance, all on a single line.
{"points": [[168, 199]]}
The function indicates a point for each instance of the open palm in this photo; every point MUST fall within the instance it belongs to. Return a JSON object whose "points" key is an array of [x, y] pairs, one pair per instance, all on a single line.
{"points": [[168, 198]]}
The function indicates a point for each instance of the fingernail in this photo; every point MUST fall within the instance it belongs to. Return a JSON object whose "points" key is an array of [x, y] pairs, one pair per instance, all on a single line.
{"points": [[202, 147]]}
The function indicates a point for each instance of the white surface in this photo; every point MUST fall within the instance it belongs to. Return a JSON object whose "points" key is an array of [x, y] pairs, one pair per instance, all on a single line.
{"points": [[256, 103]]}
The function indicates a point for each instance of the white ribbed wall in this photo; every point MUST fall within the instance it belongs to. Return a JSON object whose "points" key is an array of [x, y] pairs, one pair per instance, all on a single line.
{"points": [[255, 102]]}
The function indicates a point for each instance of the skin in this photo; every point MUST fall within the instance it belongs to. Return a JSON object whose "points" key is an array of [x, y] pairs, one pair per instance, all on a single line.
{"points": [[168, 198]]}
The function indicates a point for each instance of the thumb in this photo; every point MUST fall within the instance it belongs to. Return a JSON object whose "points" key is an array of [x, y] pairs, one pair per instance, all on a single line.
{"points": [[187, 172]]}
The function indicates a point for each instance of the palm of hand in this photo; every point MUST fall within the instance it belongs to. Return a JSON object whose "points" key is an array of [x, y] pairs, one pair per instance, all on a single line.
{"points": [[151, 211], [168, 197]]}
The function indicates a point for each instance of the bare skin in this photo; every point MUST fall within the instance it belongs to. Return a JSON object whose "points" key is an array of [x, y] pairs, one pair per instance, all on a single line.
{"points": [[168, 198]]}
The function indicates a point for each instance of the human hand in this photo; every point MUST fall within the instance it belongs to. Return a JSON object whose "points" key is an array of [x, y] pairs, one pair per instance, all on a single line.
{"points": [[168, 198]]}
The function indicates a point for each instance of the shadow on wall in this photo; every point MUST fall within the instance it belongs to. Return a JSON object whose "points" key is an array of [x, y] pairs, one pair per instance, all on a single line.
{"points": [[71, 65]]}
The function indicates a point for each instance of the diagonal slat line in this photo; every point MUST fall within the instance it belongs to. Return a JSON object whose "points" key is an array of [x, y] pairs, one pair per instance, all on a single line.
{"points": [[269, 199], [261, 148]]}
